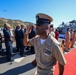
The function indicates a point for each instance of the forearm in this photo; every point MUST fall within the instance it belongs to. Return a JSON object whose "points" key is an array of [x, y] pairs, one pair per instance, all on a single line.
{"points": [[26, 36], [25, 40], [61, 69]]}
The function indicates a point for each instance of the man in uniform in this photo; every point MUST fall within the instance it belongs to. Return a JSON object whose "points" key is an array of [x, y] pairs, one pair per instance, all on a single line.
{"points": [[52, 33], [47, 48], [67, 39]]}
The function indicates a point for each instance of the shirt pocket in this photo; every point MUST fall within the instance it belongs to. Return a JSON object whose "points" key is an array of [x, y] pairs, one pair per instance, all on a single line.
{"points": [[47, 54]]}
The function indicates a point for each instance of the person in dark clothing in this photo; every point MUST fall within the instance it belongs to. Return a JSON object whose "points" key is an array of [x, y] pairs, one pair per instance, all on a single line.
{"points": [[8, 42], [31, 35], [4, 29], [0, 42], [56, 34], [21, 34], [17, 38]]}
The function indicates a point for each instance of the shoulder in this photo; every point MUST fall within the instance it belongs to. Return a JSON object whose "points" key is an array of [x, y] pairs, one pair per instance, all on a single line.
{"points": [[35, 39], [56, 46], [54, 41], [20, 30], [7, 31]]}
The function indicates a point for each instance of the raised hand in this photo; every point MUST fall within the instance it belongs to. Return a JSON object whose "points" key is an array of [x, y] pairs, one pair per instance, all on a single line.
{"points": [[29, 29]]}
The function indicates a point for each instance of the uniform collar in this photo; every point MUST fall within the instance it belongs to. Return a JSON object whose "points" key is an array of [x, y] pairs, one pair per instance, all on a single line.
{"points": [[47, 41]]}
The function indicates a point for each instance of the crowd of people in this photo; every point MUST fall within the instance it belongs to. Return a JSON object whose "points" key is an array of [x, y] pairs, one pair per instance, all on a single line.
{"points": [[44, 39], [70, 39], [16, 35]]}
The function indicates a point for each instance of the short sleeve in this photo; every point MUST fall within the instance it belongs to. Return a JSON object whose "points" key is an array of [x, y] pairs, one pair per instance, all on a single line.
{"points": [[58, 54], [31, 41]]}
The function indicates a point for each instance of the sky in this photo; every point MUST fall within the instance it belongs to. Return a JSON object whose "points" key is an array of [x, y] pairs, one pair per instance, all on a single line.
{"points": [[26, 10]]}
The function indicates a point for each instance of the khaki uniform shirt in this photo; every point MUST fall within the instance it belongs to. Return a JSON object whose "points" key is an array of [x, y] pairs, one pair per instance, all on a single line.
{"points": [[47, 54], [52, 34], [67, 36]]}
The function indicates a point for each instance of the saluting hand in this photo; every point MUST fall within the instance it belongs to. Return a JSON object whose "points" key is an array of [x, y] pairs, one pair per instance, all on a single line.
{"points": [[29, 29]]}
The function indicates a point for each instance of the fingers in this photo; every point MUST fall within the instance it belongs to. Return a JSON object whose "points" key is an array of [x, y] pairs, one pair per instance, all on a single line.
{"points": [[31, 26], [29, 29]]}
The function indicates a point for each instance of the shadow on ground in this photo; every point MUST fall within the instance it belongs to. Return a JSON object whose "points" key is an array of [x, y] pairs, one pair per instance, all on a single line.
{"points": [[3, 55], [19, 70]]}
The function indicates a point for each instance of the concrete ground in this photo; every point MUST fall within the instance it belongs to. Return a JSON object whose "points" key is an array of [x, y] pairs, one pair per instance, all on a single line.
{"points": [[19, 65]]}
